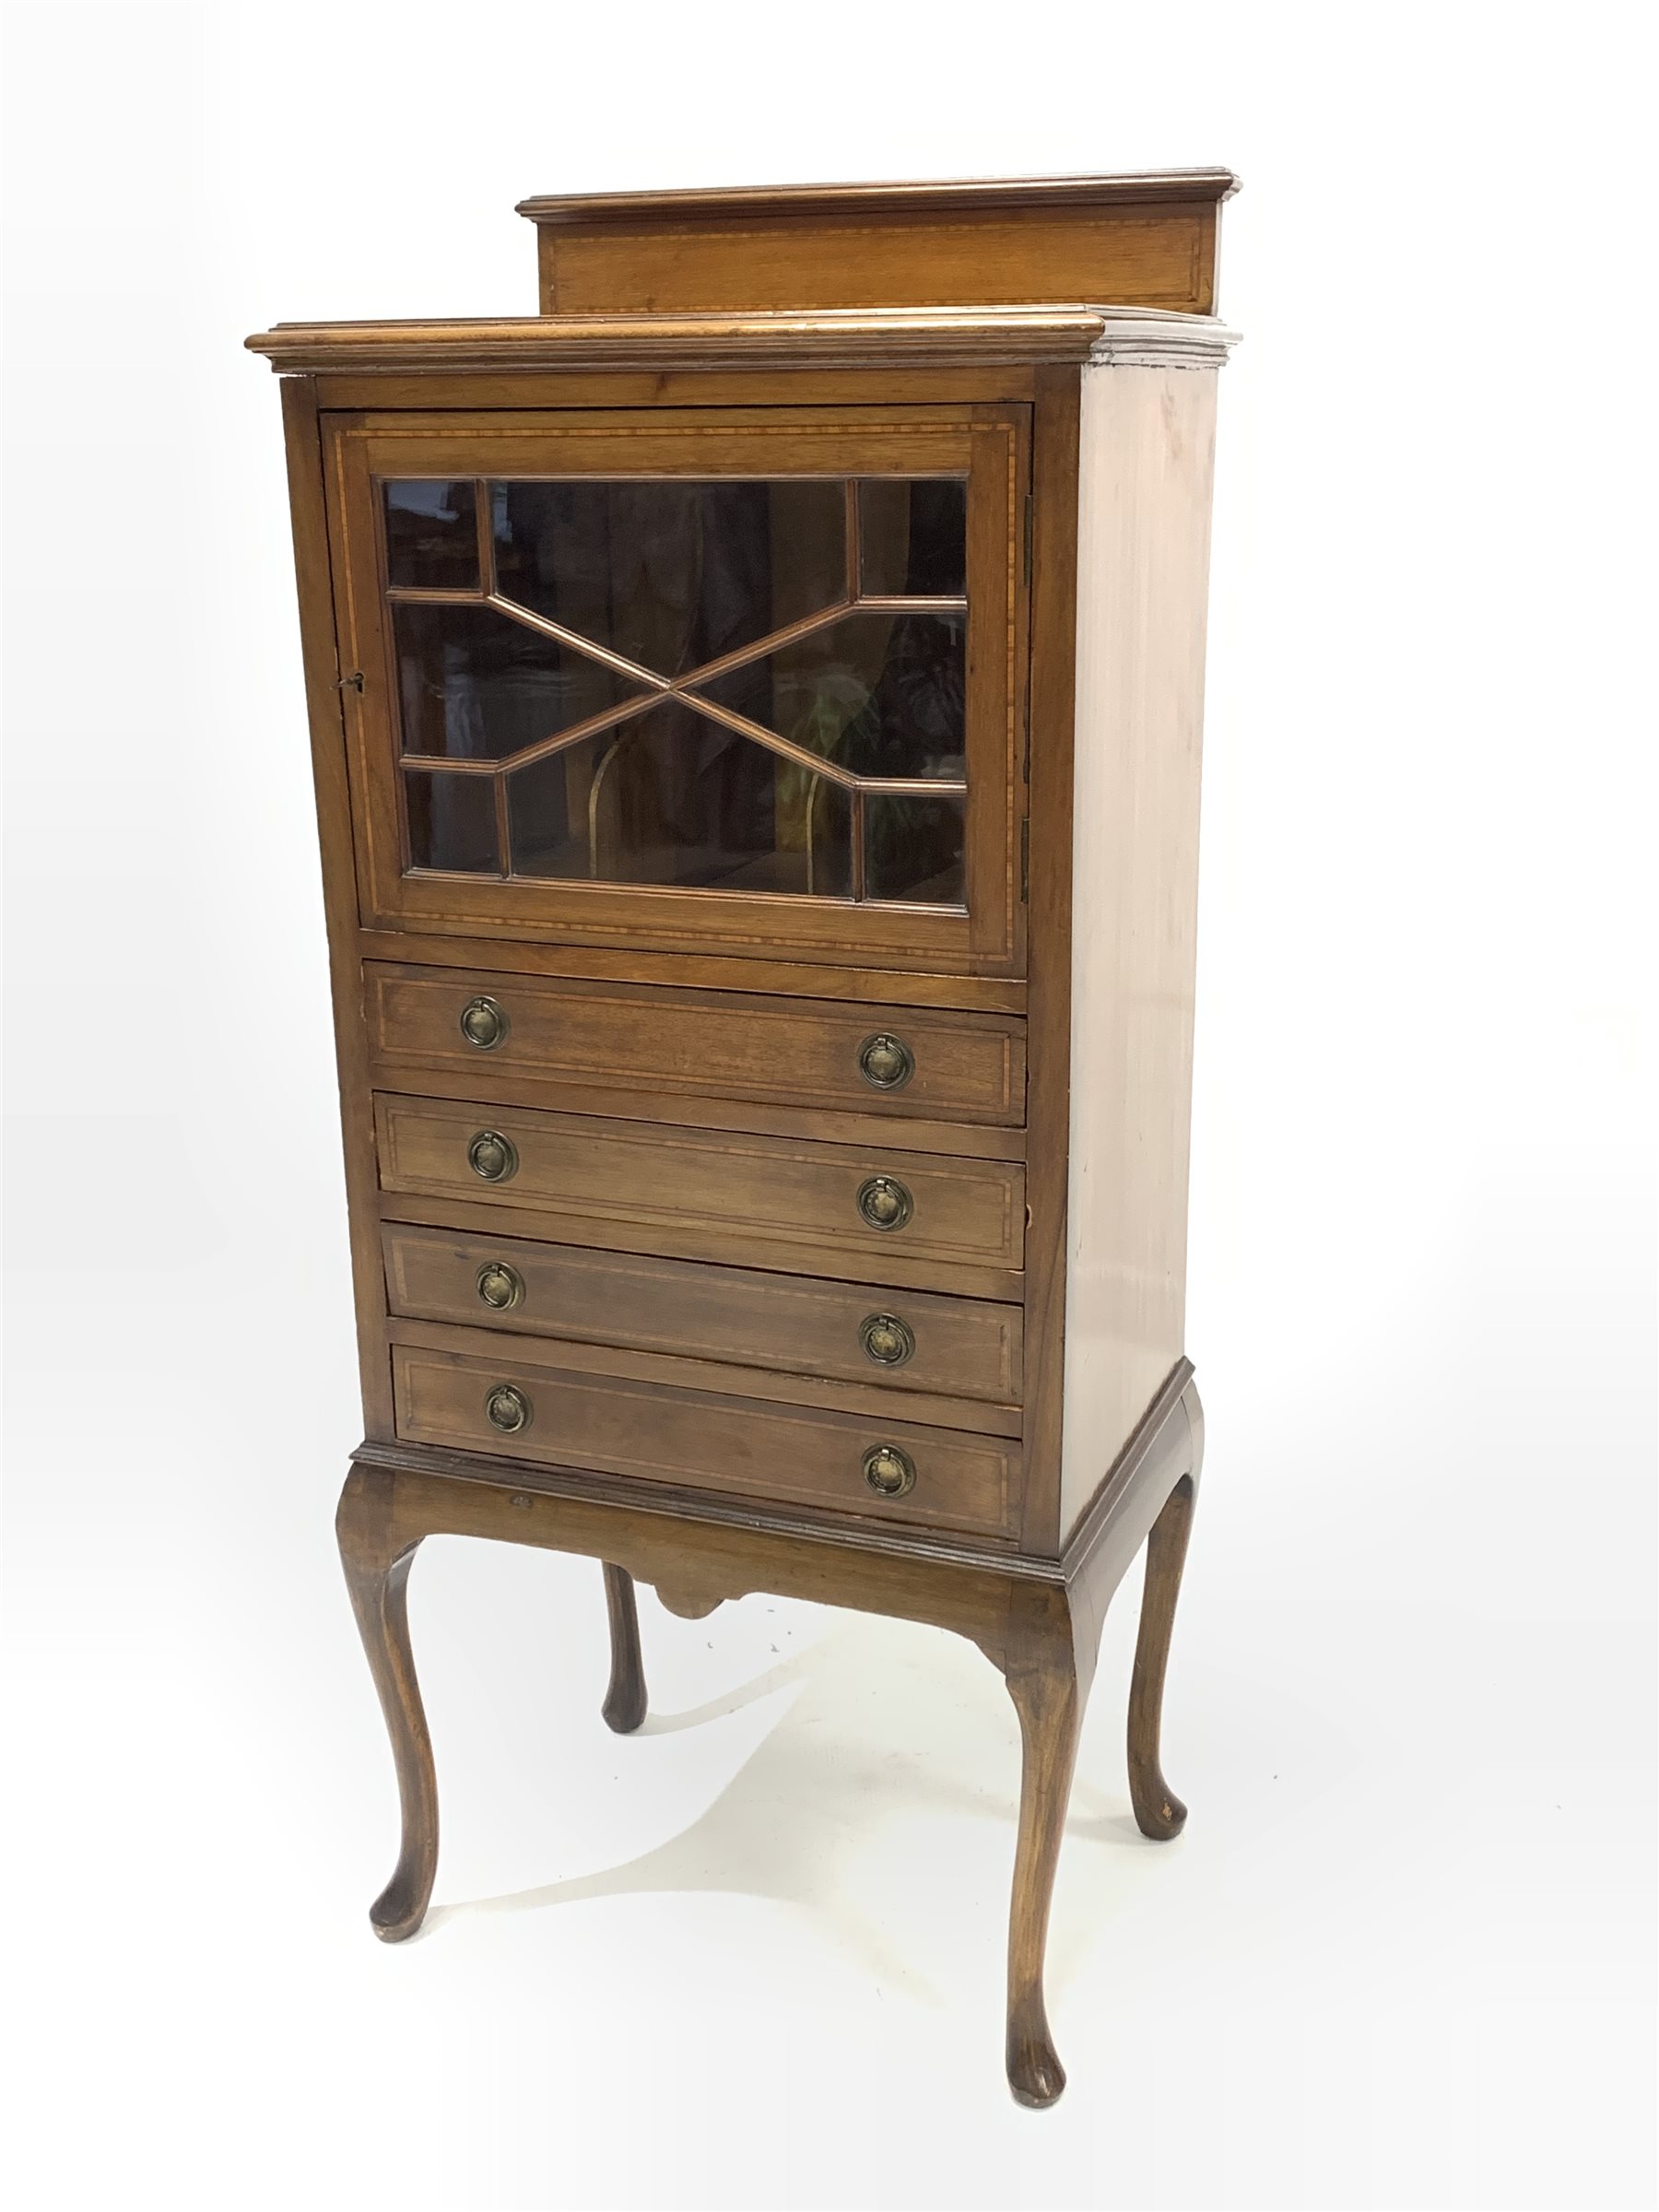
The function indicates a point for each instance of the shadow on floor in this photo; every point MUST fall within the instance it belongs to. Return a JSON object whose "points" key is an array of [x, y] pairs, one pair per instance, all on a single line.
{"points": [[798, 1821]]}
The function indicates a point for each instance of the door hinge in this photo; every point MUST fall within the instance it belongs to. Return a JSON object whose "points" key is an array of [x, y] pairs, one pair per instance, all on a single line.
{"points": [[353, 682], [1031, 510], [1025, 860]]}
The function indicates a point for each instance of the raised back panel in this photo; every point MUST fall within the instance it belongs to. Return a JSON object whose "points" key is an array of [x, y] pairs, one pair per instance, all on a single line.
{"points": [[1140, 242]]}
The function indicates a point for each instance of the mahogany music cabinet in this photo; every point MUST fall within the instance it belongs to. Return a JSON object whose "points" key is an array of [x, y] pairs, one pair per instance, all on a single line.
{"points": [[755, 705]]}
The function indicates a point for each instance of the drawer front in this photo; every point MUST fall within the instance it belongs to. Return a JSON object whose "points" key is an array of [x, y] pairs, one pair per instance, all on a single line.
{"points": [[522, 1410], [902, 1060], [957, 1347], [725, 1190]]}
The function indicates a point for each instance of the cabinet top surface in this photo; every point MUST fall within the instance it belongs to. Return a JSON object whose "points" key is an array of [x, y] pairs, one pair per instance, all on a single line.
{"points": [[961, 197]]}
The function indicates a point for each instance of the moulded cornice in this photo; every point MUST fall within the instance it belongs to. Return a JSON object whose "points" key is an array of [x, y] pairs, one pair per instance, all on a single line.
{"points": [[965, 196], [842, 338]]}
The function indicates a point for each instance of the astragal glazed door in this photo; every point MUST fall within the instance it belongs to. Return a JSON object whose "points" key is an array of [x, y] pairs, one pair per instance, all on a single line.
{"points": [[743, 681]]}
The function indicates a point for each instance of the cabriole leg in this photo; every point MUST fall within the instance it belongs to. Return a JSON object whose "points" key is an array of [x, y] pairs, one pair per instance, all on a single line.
{"points": [[1157, 1811], [377, 1574], [624, 1706], [1048, 1688]]}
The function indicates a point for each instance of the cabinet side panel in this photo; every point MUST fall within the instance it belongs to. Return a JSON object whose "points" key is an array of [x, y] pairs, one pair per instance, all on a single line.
{"points": [[1147, 441], [314, 578]]}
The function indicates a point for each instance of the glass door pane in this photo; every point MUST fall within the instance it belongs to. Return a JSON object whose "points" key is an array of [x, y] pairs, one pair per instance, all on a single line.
{"points": [[655, 670]]}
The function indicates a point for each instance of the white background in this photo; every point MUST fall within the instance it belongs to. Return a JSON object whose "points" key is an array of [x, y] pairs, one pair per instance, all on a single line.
{"points": [[753, 1957]]}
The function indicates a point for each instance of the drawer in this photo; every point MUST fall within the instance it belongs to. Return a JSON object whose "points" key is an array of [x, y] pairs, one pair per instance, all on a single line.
{"points": [[853, 1332], [707, 1194], [919, 1062], [606, 1426]]}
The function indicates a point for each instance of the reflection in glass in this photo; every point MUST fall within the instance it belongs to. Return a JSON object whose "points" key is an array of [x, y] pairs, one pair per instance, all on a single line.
{"points": [[433, 535], [880, 694], [913, 536], [670, 798], [477, 686], [452, 822], [914, 849], [670, 574]]}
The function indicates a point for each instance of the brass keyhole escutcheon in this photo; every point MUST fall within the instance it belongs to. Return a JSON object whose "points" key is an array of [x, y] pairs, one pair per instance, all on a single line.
{"points": [[500, 1286], [492, 1157], [886, 1339], [507, 1409], [484, 1023], [889, 1471], [886, 1062], [884, 1202]]}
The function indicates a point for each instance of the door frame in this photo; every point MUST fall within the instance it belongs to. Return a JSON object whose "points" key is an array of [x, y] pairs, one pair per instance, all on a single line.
{"points": [[988, 442]]}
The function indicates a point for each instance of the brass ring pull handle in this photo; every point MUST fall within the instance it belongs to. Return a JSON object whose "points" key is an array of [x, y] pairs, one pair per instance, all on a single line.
{"points": [[884, 1202], [507, 1409], [888, 1471], [500, 1286], [492, 1157], [886, 1339], [886, 1063], [484, 1023]]}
